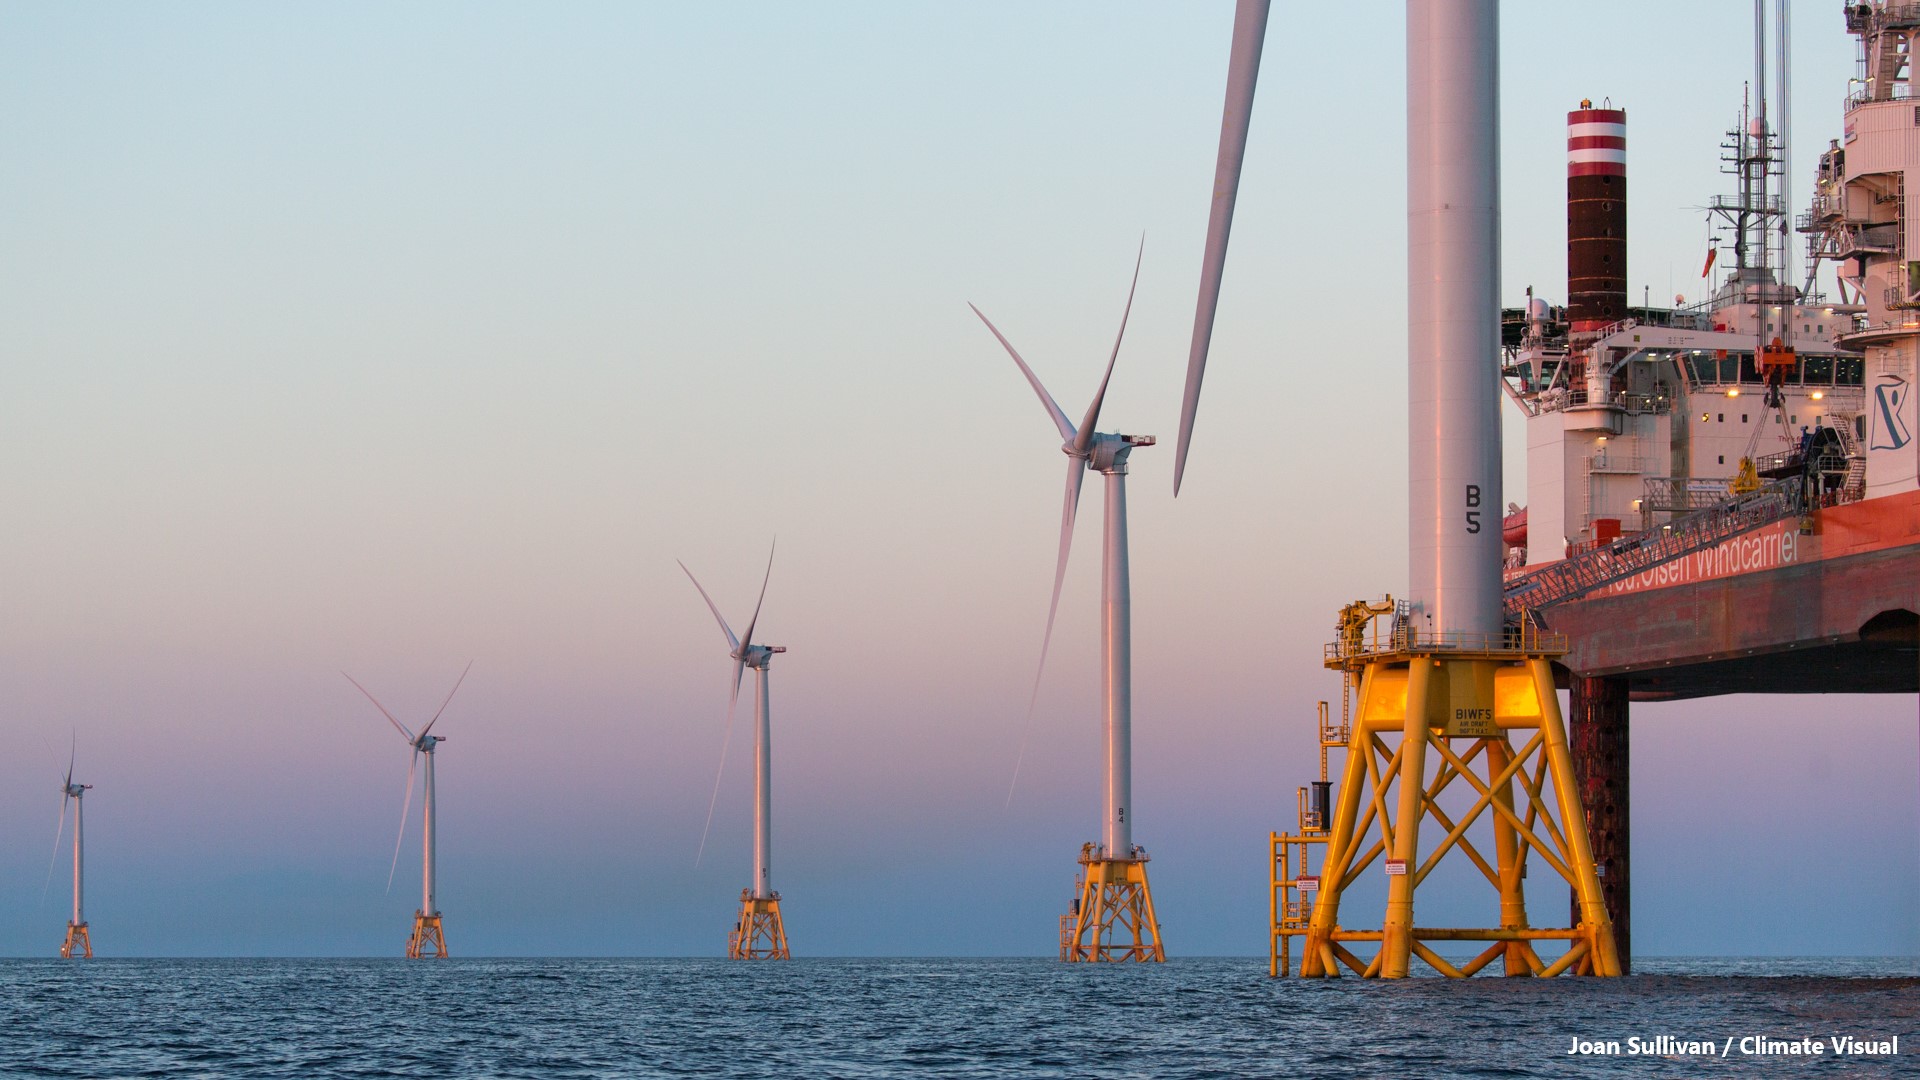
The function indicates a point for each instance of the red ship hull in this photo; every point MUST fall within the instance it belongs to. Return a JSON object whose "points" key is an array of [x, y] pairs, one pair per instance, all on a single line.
{"points": [[1773, 610]]}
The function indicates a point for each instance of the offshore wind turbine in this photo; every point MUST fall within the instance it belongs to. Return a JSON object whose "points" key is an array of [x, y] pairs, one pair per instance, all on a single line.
{"points": [[427, 938], [1112, 918], [77, 939], [1451, 668], [759, 933]]}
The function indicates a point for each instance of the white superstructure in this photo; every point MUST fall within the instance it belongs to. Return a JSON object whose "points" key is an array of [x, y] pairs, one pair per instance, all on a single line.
{"points": [[1862, 219], [1634, 422]]}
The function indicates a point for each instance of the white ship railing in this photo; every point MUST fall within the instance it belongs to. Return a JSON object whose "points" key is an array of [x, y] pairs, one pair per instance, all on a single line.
{"points": [[1578, 575]]}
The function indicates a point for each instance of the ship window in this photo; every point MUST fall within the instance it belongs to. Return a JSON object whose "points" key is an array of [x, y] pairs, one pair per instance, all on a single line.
{"points": [[1820, 327], [1730, 369], [1749, 373], [1723, 459], [1817, 370], [1723, 419], [1743, 418], [1849, 371]]}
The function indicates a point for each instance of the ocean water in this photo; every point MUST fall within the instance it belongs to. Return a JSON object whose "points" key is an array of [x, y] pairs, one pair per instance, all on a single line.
{"points": [[919, 1017]]}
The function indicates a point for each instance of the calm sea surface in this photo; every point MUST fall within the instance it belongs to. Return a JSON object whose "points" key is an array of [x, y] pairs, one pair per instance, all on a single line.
{"points": [[936, 1018]]}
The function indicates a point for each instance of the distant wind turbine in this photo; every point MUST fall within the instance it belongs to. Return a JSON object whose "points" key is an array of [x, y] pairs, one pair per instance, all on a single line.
{"points": [[427, 939], [77, 939], [1114, 897], [759, 933]]}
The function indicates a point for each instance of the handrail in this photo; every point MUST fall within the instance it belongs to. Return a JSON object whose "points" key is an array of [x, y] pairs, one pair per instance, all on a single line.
{"points": [[1400, 639], [1578, 575]]}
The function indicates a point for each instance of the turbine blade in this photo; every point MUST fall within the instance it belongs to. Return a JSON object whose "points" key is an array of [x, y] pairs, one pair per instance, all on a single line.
{"points": [[733, 643], [443, 705], [59, 830], [402, 728], [1243, 70], [755, 621], [1076, 472], [406, 809], [1053, 407], [740, 668], [73, 750], [1084, 439]]}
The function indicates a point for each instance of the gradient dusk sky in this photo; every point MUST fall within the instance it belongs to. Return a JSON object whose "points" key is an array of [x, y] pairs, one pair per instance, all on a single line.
{"points": [[382, 338]]}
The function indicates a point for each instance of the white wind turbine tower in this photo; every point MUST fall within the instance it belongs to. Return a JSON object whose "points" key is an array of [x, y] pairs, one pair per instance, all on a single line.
{"points": [[1112, 917], [427, 939], [759, 933], [77, 940]]}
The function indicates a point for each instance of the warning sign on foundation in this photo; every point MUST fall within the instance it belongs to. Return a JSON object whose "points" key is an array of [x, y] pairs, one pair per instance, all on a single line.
{"points": [[1396, 867], [1307, 884]]}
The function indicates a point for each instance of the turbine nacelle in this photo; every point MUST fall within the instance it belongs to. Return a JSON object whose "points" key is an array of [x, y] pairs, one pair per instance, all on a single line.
{"points": [[74, 791], [758, 657], [426, 743], [1108, 453]]}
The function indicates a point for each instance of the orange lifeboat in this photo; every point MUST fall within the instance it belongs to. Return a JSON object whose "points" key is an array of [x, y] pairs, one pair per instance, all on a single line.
{"points": [[1513, 527]]}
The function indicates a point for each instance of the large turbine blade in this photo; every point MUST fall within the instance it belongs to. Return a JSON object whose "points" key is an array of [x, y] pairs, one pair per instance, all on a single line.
{"points": [[1076, 472], [1243, 70], [755, 621], [1084, 438], [73, 750], [59, 830], [733, 643], [1053, 407], [402, 728], [443, 705], [739, 669], [406, 809]]}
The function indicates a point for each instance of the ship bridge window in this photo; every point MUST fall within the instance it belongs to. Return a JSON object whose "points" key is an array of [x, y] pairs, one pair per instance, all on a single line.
{"points": [[1849, 371], [1817, 370], [1748, 372], [1730, 369]]}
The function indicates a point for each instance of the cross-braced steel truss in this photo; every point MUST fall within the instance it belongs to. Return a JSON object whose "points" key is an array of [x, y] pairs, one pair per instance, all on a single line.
{"points": [[1464, 712], [427, 940], [1112, 917], [759, 933]]}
